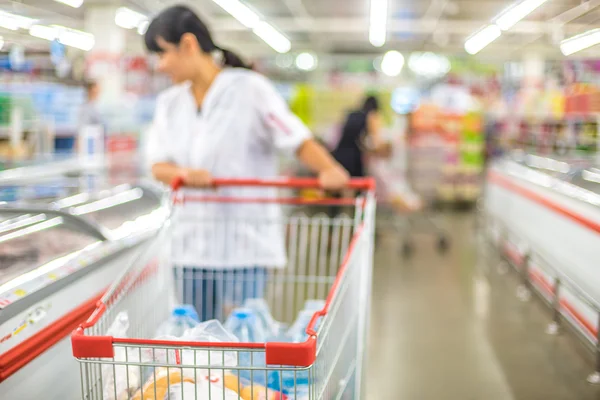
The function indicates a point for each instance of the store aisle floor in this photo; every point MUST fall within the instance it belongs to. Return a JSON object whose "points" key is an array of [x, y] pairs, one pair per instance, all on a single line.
{"points": [[451, 328]]}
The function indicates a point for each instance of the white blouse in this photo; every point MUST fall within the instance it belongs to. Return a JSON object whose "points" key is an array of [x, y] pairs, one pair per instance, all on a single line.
{"points": [[238, 132]]}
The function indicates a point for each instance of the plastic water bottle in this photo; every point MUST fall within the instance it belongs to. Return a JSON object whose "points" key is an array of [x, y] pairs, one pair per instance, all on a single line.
{"points": [[314, 305], [297, 332], [246, 326], [180, 320], [190, 311], [299, 392], [272, 328]]}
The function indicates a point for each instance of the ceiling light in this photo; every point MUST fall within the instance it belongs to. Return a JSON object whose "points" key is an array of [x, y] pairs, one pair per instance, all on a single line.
{"points": [[580, 42], [72, 3], [392, 63], [143, 27], [284, 60], [517, 12], [239, 11], [378, 22], [14, 22], [74, 38], [476, 42], [428, 64], [129, 19], [67, 36], [306, 62], [43, 32], [272, 37]]}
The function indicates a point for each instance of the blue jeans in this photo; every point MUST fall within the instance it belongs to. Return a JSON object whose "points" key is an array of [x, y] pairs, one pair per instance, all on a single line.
{"points": [[215, 292]]}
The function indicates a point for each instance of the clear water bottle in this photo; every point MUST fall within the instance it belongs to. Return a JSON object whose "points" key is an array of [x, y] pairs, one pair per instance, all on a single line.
{"points": [[273, 329], [299, 392], [314, 305], [179, 321], [297, 332], [190, 311], [246, 326]]}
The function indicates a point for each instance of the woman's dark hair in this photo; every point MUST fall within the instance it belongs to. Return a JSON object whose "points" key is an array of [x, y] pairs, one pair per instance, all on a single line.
{"points": [[172, 23], [371, 104]]}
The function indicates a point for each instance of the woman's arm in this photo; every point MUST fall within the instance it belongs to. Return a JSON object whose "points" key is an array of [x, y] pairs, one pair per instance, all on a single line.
{"points": [[374, 124], [167, 172], [331, 174]]}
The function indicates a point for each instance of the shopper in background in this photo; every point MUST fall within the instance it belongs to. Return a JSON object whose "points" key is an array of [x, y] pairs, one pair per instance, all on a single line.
{"points": [[89, 111], [361, 132], [90, 120], [223, 120]]}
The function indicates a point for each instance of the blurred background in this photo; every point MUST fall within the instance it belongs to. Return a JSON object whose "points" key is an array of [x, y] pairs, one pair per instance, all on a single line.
{"points": [[486, 284]]}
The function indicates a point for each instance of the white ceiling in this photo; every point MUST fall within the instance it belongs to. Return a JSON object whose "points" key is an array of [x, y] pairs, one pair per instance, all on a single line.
{"points": [[341, 26]]}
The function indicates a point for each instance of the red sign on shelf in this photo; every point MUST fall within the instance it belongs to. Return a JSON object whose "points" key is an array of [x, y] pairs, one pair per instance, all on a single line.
{"points": [[122, 144]]}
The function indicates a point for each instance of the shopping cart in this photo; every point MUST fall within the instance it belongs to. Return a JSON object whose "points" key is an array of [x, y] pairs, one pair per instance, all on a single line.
{"points": [[426, 176], [327, 258]]}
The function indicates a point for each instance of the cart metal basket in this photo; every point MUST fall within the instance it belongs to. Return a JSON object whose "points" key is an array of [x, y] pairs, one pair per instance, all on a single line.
{"points": [[324, 258]]}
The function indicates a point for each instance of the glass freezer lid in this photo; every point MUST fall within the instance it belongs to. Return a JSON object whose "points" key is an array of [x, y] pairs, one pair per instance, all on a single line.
{"points": [[32, 246], [112, 209], [588, 179]]}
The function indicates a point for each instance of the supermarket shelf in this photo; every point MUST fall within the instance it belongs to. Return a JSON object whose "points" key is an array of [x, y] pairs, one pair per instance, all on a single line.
{"points": [[59, 133]]}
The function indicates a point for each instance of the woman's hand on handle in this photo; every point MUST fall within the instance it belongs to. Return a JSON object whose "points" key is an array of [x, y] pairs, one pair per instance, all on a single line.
{"points": [[334, 178], [198, 178], [332, 175]]}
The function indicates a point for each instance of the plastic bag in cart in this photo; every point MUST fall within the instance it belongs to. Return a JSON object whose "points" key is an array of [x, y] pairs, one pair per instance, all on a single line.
{"points": [[120, 380], [210, 331], [202, 390], [171, 384]]}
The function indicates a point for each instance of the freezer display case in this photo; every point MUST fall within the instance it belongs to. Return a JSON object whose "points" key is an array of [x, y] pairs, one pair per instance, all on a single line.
{"points": [[545, 216], [47, 178], [55, 262]]}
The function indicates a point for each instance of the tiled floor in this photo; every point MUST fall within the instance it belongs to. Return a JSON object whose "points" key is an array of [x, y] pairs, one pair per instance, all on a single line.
{"points": [[450, 327]]}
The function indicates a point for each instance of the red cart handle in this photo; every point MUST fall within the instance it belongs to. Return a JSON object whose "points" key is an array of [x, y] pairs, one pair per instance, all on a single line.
{"points": [[367, 184]]}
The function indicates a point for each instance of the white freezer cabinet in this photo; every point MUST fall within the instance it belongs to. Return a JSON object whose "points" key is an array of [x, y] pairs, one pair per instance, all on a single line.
{"points": [[55, 262], [545, 214]]}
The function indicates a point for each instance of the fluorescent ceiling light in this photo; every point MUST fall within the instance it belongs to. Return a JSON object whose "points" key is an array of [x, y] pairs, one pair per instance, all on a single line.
{"points": [[517, 12], [251, 20], [284, 60], [129, 19], [392, 63], [44, 32], [428, 64], [378, 22], [71, 3], [240, 11], [14, 22], [306, 62], [67, 36], [580, 42], [143, 27], [272, 37], [74, 38], [476, 42]]}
